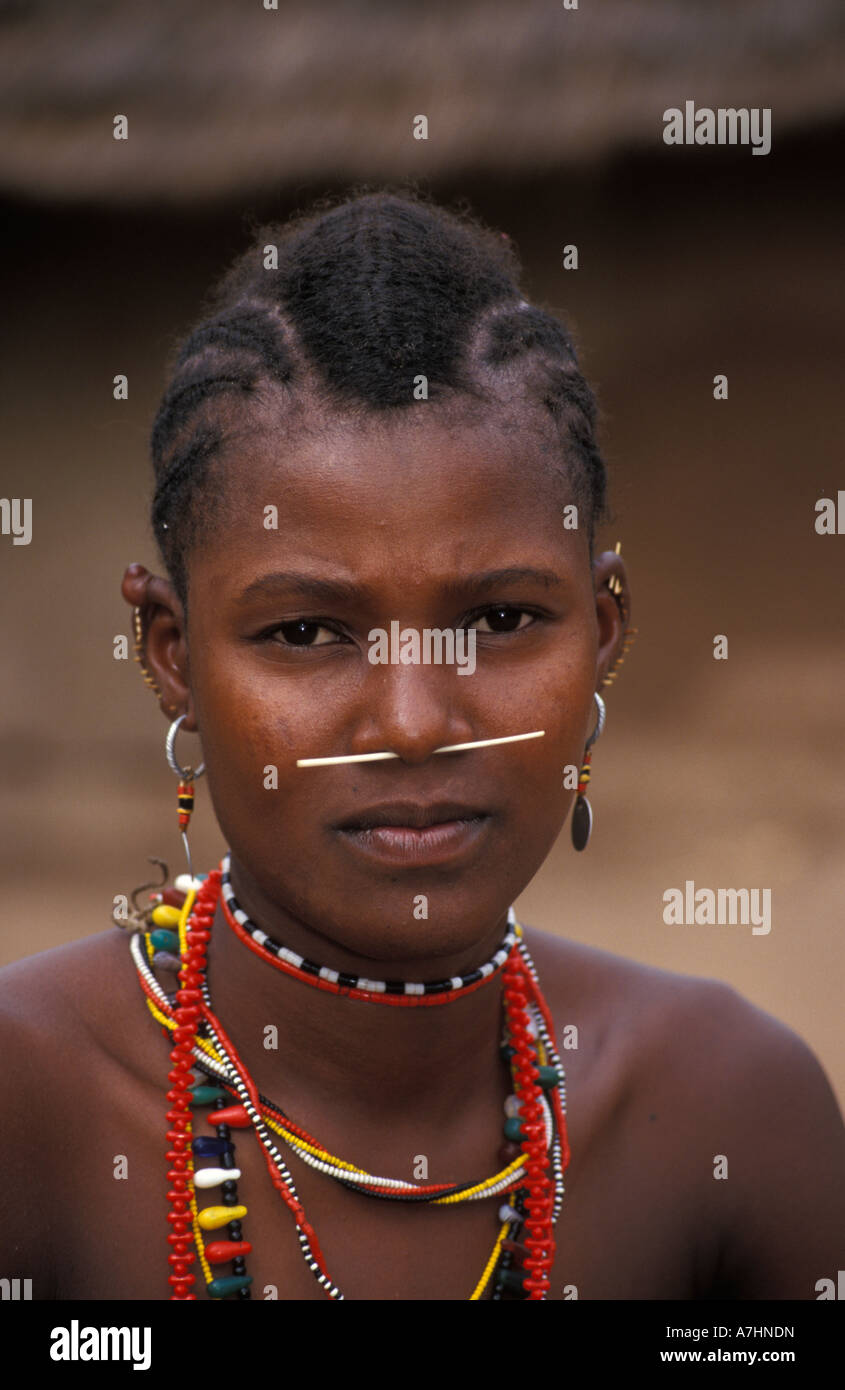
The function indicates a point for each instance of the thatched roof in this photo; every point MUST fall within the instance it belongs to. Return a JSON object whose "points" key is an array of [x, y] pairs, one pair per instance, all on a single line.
{"points": [[226, 98]]}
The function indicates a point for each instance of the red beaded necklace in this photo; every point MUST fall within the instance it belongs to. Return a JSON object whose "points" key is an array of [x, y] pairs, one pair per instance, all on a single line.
{"points": [[191, 1009]]}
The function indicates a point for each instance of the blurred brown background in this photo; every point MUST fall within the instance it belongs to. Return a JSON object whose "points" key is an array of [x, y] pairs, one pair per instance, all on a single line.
{"points": [[693, 262]]}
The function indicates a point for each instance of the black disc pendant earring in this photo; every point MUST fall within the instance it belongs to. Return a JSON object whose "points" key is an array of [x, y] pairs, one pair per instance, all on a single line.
{"points": [[582, 815]]}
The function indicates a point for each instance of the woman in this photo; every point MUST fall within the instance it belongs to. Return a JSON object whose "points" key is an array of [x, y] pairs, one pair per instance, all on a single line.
{"points": [[373, 438]]}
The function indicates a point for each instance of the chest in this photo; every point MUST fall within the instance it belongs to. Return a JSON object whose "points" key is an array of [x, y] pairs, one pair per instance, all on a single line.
{"points": [[624, 1231]]}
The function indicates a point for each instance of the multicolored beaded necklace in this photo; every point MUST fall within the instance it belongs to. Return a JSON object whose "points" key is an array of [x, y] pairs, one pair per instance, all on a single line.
{"points": [[534, 1128]]}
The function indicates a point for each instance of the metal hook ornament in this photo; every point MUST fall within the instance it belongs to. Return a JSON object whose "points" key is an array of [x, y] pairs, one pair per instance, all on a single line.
{"points": [[138, 918]]}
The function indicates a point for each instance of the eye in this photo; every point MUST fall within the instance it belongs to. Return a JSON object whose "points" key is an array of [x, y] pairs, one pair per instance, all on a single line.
{"points": [[303, 632], [503, 618]]}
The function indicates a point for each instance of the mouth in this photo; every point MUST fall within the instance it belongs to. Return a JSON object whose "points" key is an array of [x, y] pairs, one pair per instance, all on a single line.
{"points": [[415, 834], [411, 815]]}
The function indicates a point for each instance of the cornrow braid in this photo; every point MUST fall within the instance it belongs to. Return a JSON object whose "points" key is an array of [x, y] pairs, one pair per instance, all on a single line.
{"points": [[523, 335], [347, 303]]}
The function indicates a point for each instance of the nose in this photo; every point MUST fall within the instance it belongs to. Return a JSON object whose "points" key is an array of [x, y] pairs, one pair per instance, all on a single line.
{"points": [[412, 710]]}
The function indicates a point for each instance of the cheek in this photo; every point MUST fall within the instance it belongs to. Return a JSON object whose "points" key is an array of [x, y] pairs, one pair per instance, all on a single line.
{"points": [[246, 728], [559, 691], [563, 704]]}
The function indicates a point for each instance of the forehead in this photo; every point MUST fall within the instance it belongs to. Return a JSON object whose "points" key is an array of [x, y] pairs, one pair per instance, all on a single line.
{"points": [[428, 489], [399, 459]]}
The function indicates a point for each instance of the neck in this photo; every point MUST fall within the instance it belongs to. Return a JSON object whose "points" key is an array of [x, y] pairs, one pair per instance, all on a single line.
{"points": [[358, 1058]]}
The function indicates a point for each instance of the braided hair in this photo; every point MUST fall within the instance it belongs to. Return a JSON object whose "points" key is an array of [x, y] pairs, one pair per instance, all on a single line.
{"points": [[348, 303]]}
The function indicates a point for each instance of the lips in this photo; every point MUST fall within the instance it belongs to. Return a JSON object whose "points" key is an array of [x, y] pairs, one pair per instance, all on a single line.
{"points": [[412, 835], [411, 814]]}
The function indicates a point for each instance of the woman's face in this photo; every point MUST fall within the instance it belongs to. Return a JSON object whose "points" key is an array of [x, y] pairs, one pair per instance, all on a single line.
{"points": [[429, 525]]}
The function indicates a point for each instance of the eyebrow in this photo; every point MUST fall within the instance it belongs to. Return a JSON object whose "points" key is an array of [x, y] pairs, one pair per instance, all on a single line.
{"points": [[340, 590], [491, 579], [305, 585]]}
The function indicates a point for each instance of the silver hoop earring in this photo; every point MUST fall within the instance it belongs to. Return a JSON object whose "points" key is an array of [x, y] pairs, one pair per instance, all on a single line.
{"points": [[187, 774], [185, 793], [582, 813]]}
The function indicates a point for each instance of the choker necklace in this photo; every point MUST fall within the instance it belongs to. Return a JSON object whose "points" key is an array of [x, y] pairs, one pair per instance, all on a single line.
{"points": [[534, 1127], [356, 986]]}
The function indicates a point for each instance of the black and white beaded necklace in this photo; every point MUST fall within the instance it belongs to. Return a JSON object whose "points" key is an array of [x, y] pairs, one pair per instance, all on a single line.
{"points": [[346, 981]]}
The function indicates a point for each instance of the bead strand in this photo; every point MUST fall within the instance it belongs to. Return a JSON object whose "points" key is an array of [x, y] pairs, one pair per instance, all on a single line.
{"points": [[559, 1108], [539, 1241], [279, 1174], [235, 1248], [546, 1026], [507, 1280], [186, 1015]]}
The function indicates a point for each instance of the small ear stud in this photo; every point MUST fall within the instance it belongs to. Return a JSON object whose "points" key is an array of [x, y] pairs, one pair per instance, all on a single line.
{"points": [[614, 583]]}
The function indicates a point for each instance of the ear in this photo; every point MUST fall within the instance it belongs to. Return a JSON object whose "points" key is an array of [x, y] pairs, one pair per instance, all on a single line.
{"points": [[164, 645], [613, 610]]}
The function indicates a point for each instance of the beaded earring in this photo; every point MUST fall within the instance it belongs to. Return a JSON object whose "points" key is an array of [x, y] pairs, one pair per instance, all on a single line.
{"points": [[185, 793], [582, 815]]}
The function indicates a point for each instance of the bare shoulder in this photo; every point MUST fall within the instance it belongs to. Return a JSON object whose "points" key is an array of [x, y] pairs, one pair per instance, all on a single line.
{"points": [[734, 1094], [713, 1030], [65, 1033], [72, 990], [63, 1012]]}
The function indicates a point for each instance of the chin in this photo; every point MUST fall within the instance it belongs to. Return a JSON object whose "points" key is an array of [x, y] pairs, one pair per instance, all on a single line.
{"points": [[450, 932], [386, 914]]}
